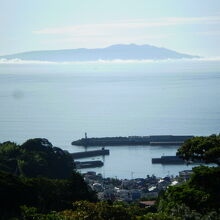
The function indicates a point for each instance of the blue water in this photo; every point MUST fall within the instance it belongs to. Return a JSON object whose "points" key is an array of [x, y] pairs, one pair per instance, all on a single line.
{"points": [[61, 102]]}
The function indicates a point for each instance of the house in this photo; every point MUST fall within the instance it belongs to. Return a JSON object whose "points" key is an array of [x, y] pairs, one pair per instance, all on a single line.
{"points": [[185, 174], [146, 204]]}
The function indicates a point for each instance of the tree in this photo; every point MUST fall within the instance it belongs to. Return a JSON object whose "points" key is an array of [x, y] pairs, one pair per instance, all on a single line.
{"points": [[43, 193], [205, 149], [36, 158], [201, 193], [9, 152]]}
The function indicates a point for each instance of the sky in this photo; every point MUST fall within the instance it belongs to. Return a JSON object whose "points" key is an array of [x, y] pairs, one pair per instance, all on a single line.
{"points": [[187, 26]]}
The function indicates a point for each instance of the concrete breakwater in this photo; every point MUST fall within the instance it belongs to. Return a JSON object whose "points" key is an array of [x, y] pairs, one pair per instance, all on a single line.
{"points": [[133, 140], [168, 160], [88, 164], [93, 153]]}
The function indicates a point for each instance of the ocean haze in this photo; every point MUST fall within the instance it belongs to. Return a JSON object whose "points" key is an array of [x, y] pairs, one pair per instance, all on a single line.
{"points": [[61, 102], [114, 52]]}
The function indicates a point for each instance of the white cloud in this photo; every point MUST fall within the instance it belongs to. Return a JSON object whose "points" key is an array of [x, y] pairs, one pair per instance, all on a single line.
{"points": [[104, 28], [209, 33], [19, 61], [162, 32], [109, 39]]}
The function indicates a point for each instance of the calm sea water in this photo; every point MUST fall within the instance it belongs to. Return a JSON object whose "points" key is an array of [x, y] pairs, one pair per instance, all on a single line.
{"points": [[61, 102]]}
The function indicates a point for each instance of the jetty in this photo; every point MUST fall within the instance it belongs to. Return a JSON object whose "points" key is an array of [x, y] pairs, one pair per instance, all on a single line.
{"points": [[133, 140], [88, 164], [93, 153], [168, 160]]}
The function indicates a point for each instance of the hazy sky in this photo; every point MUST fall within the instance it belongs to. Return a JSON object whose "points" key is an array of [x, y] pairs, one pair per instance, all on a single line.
{"points": [[190, 26]]}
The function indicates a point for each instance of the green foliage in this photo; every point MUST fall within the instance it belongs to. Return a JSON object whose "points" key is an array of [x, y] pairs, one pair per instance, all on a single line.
{"points": [[91, 211], [134, 208], [82, 210], [44, 179], [9, 151], [184, 212], [206, 149], [103, 211], [157, 216], [36, 158], [12, 194], [201, 193], [30, 213], [199, 197], [95, 211], [100, 211], [185, 194], [56, 186], [207, 179], [42, 193]]}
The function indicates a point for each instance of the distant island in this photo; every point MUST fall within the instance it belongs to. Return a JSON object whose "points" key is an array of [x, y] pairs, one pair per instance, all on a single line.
{"points": [[114, 52]]}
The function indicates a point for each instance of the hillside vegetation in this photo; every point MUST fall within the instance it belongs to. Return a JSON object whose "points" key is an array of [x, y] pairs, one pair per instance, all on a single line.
{"points": [[38, 182]]}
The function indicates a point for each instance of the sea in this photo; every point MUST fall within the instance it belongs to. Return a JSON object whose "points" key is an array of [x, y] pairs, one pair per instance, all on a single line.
{"points": [[62, 101]]}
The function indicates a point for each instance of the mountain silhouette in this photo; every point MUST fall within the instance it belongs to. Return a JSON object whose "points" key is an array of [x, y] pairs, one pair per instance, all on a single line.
{"points": [[114, 52]]}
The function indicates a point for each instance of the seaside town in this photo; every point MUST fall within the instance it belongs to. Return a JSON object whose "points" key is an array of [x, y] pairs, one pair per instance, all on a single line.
{"points": [[133, 189]]}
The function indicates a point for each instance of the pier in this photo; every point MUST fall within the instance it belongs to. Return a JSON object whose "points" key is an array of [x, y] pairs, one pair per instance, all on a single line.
{"points": [[167, 143], [93, 153], [88, 164], [168, 160]]}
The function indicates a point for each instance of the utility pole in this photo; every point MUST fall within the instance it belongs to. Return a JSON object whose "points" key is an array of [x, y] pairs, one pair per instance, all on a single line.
{"points": [[132, 175]]}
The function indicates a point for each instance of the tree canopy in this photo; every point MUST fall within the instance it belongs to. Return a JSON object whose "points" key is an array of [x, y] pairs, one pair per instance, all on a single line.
{"points": [[43, 193], [35, 158], [201, 193], [98, 211], [36, 174], [206, 149]]}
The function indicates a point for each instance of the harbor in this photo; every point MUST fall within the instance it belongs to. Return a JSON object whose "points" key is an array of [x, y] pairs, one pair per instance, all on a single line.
{"points": [[128, 162], [157, 156]]}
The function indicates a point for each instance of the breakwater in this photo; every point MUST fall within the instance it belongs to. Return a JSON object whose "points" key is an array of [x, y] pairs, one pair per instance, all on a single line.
{"points": [[93, 153], [133, 140], [88, 164], [168, 160]]}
